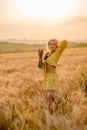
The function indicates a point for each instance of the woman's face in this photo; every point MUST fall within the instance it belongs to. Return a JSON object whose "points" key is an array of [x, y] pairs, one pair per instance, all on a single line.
{"points": [[52, 45]]}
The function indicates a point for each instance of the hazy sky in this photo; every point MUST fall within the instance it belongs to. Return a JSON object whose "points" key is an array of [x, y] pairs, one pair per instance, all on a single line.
{"points": [[43, 19]]}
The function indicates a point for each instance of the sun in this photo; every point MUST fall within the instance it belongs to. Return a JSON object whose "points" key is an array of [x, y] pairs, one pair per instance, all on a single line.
{"points": [[46, 9]]}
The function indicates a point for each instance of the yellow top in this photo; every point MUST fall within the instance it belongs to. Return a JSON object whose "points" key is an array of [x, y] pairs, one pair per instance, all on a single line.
{"points": [[54, 57]]}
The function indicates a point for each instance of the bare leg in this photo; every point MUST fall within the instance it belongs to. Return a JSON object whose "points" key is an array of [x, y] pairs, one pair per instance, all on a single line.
{"points": [[50, 99]]}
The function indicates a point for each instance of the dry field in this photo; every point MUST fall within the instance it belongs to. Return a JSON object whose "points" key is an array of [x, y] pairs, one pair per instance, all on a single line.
{"points": [[22, 103]]}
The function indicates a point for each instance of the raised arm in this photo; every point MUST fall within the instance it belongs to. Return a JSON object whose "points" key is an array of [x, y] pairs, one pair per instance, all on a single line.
{"points": [[62, 46]]}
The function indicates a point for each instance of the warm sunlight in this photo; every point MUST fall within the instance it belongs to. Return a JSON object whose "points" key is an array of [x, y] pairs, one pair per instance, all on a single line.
{"points": [[43, 19], [45, 9]]}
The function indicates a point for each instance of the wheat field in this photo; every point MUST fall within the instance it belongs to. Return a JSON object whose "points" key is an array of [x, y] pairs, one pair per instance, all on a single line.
{"points": [[22, 102]]}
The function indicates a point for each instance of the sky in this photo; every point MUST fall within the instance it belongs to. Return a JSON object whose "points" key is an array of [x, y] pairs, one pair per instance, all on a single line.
{"points": [[43, 19]]}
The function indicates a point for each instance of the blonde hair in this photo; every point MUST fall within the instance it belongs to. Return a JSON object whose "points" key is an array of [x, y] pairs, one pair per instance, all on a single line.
{"points": [[50, 41], [47, 49], [56, 41]]}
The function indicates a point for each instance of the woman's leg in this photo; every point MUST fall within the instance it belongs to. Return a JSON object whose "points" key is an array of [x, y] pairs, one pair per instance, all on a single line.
{"points": [[50, 100]]}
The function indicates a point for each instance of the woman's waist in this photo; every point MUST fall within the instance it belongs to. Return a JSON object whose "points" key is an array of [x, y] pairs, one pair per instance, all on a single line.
{"points": [[50, 68]]}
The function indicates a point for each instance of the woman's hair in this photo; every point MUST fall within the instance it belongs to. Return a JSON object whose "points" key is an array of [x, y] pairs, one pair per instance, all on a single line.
{"points": [[53, 40], [49, 42]]}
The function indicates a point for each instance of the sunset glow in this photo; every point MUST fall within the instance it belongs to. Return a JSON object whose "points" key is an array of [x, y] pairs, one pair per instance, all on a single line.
{"points": [[43, 19], [46, 9]]}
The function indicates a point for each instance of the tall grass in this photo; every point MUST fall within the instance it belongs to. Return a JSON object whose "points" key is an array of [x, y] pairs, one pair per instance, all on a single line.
{"points": [[22, 101], [83, 80]]}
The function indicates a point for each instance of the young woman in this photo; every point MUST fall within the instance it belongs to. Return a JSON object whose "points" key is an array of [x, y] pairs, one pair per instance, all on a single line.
{"points": [[48, 65]]}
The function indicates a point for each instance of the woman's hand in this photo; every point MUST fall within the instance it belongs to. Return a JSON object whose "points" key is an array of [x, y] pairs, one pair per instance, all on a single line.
{"points": [[40, 52]]}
